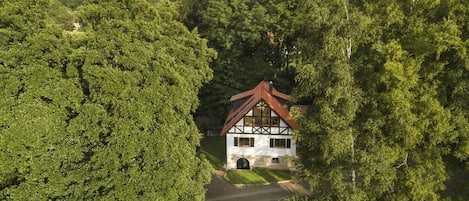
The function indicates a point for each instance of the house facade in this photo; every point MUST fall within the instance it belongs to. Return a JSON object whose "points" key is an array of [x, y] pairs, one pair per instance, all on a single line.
{"points": [[258, 131]]}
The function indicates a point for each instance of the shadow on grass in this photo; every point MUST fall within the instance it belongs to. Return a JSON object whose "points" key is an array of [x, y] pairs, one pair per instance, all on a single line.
{"points": [[273, 175], [257, 176], [214, 149]]}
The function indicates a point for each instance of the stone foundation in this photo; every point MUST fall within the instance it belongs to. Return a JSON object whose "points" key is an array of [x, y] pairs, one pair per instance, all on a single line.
{"points": [[274, 162]]}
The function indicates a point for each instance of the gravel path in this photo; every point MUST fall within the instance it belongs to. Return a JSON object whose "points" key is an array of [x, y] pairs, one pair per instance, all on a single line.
{"points": [[221, 190]]}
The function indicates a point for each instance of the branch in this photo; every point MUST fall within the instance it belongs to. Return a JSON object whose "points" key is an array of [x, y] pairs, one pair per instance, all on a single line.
{"points": [[404, 162]]}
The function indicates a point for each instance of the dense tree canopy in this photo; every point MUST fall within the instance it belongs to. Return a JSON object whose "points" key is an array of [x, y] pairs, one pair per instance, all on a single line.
{"points": [[103, 112], [386, 81], [253, 40]]}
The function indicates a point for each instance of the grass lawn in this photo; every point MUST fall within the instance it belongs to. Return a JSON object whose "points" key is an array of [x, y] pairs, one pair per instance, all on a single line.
{"points": [[257, 176], [214, 149]]}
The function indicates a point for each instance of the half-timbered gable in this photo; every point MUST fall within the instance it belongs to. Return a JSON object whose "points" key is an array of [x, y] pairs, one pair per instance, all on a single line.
{"points": [[261, 120], [258, 131]]}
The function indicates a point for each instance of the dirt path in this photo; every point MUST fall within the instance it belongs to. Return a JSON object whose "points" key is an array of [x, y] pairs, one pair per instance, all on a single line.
{"points": [[221, 190]]}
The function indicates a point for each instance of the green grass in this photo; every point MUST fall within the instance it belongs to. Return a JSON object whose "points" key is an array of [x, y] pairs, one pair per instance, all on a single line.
{"points": [[214, 149], [257, 176]]}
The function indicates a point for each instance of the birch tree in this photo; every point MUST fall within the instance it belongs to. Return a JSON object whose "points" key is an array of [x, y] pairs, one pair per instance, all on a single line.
{"points": [[389, 134], [327, 133]]}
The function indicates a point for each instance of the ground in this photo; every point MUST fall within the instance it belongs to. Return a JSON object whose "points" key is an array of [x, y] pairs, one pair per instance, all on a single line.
{"points": [[221, 190]]}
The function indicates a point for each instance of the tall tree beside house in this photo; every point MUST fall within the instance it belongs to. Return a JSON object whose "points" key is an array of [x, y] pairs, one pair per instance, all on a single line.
{"points": [[141, 71], [253, 40], [455, 89], [383, 115], [328, 134], [36, 102], [102, 113]]}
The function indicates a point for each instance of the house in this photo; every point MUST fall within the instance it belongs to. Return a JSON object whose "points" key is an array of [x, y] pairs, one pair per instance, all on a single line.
{"points": [[258, 131]]}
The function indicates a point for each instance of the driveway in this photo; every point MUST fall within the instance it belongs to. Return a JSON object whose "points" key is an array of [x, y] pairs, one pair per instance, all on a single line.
{"points": [[221, 190]]}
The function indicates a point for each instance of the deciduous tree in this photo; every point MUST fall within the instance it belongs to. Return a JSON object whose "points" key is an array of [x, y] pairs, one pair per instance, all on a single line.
{"points": [[379, 125], [253, 40], [105, 112]]}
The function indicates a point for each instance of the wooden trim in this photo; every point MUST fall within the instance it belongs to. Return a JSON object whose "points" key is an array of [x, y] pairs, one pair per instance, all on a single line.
{"points": [[237, 128]]}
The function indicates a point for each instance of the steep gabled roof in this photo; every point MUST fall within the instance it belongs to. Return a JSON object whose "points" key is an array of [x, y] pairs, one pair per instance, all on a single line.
{"points": [[252, 97]]}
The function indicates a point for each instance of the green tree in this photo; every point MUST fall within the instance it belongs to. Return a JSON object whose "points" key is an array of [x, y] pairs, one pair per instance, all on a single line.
{"points": [[252, 39], [103, 113], [454, 85], [379, 125], [73, 4], [37, 101], [327, 133]]}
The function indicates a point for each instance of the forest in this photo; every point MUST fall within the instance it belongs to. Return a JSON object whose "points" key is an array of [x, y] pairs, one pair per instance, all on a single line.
{"points": [[98, 97]]}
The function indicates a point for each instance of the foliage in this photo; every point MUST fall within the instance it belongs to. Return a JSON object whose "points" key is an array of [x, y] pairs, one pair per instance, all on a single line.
{"points": [[73, 4], [252, 39], [102, 114], [36, 102], [64, 16], [295, 198], [383, 109]]}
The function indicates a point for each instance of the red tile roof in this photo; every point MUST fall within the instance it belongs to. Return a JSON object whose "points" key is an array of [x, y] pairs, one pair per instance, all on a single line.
{"points": [[253, 96]]}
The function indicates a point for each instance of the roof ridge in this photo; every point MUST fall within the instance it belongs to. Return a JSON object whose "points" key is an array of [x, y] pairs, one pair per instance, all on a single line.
{"points": [[258, 93]]}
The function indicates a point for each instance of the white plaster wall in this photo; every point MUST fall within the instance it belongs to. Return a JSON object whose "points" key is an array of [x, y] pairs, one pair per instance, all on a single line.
{"points": [[272, 113], [285, 162], [261, 154], [283, 124], [261, 146]]}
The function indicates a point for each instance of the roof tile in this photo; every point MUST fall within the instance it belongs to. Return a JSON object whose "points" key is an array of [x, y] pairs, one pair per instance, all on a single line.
{"points": [[258, 93]]}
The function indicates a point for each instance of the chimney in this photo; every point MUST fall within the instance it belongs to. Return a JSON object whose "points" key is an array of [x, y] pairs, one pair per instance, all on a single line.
{"points": [[271, 86]]}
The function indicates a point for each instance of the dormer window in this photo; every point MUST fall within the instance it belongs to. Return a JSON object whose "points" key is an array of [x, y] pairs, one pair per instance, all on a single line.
{"points": [[261, 117], [248, 121], [261, 110]]}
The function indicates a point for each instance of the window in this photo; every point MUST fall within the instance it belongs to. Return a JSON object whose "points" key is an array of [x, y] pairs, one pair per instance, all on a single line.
{"points": [[261, 117], [256, 111], [243, 142], [275, 121], [275, 160], [247, 121], [265, 111], [266, 121], [280, 143], [257, 121]]}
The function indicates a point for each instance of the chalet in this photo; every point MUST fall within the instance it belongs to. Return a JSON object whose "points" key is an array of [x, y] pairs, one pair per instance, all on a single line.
{"points": [[258, 131]]}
